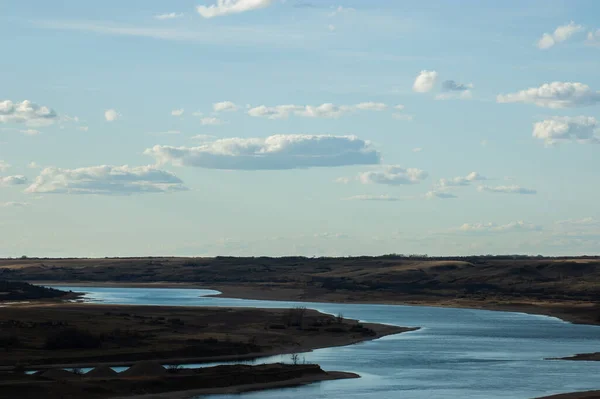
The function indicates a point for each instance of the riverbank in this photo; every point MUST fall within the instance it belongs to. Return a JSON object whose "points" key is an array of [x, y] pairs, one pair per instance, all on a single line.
{"points": [[575, 395], [38, 336], [150, 380]]}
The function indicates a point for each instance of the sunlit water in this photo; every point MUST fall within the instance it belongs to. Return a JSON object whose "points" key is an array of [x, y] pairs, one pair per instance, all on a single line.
{"points": [[458, 353]]}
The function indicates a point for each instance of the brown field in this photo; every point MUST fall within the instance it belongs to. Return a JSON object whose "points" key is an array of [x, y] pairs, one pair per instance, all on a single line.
{"points": [[568, 288], [88, 334]]}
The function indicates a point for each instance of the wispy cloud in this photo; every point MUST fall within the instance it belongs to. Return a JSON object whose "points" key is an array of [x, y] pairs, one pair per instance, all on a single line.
{"points": [[171, 15], [228, 7]]}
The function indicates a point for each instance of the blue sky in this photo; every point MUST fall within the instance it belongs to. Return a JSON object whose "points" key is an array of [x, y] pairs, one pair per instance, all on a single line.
{"points": [[269, 127]]}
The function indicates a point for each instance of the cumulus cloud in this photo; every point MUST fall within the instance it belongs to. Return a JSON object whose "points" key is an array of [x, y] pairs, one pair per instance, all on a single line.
{"points": [[276, 152], [373, 198], [425, 81], [177, 112], [26, 112], [554, 95], [507, 189], [326, 110], [4, 166], [439, 194], [224, 106], [15, 180], [170, 15], [559, 35], [593, 38], [111, 115], [581, 129], [495, 228], [210, 121], [106, 180], [393, 175], [461, 180], [228, 7]]}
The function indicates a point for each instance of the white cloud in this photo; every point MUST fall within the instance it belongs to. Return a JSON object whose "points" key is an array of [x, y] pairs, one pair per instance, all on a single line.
{"points": [[198, 113], [224, 106], [276, 152], [399, 107], [561, 34], [554, 95], [13, 180], [4, 166], [30, 132], [331, 28], [210, 121], [177, 112], [425, 81], [507, 189], [393, 175], [439, 194], [83, 128], [11, 204], [581, 129], [373, 198], [326, 110], [106, 180], [461, 181], [26, 112], [418, 149], [228, 7], [171, 15], [494, 228], [111, 115], [593, 38], [371, 106], [33, 165]]}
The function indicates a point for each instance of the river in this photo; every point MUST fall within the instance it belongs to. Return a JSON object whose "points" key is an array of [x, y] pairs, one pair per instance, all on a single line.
{"points": [[457, 353]]}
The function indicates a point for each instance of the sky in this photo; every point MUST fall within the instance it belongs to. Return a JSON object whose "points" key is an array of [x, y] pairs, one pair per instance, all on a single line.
{"points": [[299, 127]]}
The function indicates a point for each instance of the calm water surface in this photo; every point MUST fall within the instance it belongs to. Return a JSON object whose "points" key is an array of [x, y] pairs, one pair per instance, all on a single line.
{"points": [[458, 353]]}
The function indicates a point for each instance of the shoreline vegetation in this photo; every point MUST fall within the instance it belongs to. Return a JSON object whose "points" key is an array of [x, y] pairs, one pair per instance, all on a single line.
{"points": [[149, 379]]}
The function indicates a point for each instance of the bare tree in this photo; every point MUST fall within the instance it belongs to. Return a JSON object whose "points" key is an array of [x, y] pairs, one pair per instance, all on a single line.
{"points": [[295, 358]]}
